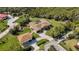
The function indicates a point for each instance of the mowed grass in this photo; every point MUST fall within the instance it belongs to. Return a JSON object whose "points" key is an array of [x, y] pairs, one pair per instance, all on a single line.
{"points": [[9, 43], [35, 19], [21, 19], [24, 30], [69, 44], [55, 23], [3, 25], [35, 35]]}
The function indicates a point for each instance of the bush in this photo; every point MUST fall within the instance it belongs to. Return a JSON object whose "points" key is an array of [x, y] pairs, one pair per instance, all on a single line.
{"points": [[42, 41], [23, 20], [41, 47], [71, 36], [35, 35], [14, 31]]}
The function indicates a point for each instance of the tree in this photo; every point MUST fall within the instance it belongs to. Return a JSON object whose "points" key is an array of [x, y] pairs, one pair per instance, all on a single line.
{"points": [[71, 36], [76, 31], [23, 20], [56, 31], [15, 30], [69, 25]]}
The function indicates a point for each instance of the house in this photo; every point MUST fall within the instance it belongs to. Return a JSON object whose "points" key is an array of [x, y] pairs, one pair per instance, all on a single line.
{"points": [[24, 38], [3, 16], [34, 26], [39, 25]]}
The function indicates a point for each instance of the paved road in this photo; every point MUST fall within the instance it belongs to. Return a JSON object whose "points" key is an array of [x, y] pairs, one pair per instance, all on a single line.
{"points": [[4, 33], [11, 20], [55, 44], [64, 37], [9, 28], [52, 42]]}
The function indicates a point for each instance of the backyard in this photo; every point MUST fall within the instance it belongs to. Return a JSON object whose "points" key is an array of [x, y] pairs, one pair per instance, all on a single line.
{"points": [[69, 44]]}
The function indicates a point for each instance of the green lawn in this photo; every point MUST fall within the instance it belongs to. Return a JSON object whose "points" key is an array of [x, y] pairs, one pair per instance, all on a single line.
{"points": [[9, 43], [41, 46], [35, 35], [25, 30], [69, 44], [21, 19], [41, 43], [3, 25], [35, 19], [55, 23]]}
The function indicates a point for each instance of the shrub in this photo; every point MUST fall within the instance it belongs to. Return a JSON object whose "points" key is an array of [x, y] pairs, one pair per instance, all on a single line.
{"points": [[42, 41], [35, 35], [71, 36]]}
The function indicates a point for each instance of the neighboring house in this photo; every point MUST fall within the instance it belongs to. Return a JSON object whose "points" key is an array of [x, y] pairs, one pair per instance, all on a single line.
{"points": [[24, 38], [3, 16], [39, 25]]}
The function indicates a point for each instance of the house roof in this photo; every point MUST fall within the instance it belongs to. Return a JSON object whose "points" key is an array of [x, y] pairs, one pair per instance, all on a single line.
{"points": [[24, 37], [44, 22], [38, 25], [2, 16]]}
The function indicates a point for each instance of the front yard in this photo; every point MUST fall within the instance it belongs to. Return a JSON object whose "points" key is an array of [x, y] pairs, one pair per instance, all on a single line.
{"points": [[3, 25], [9, 43], [41, 43], [69, 44]]}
